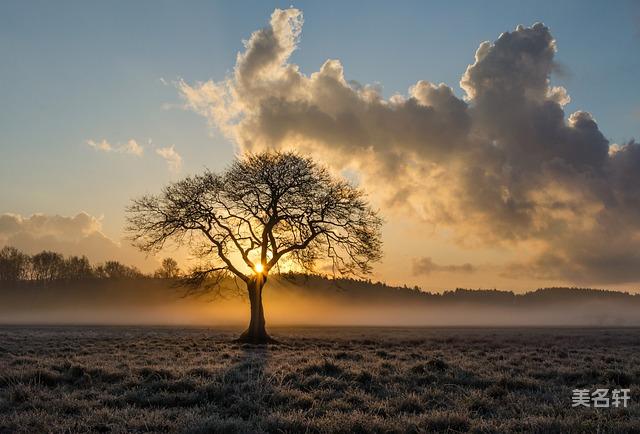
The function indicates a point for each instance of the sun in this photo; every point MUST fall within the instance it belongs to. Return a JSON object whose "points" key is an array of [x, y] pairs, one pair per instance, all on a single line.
{"points": [[259, 268]]}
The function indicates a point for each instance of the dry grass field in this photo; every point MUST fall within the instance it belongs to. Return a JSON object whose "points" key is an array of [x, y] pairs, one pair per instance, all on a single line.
{"points": [[119, 379]]}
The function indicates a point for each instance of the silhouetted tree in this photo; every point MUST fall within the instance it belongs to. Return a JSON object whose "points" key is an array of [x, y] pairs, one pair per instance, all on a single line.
{"points": [[168, 270], [264, 209], [77, 268], [116, 270], [47, 266], [14, 265]]}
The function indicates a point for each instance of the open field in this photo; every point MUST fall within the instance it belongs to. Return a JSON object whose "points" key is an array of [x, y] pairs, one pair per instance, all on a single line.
{"points": [[117, 379]]}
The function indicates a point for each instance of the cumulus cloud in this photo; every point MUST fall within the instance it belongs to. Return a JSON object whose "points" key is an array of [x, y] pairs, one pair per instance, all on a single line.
{"points": [[130, 147], [70, 235], [171, 156], [40, 225], [503, 165], [168, 153], [426, 266]]}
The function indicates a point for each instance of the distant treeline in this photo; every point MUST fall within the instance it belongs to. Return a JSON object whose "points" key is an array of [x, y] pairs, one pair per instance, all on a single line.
{"points": [[47, 266], [50, 267], [367, 289]]}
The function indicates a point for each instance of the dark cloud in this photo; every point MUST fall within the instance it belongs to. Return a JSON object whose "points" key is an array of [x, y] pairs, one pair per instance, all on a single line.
{"points": [[427, 266], [505, 165]]}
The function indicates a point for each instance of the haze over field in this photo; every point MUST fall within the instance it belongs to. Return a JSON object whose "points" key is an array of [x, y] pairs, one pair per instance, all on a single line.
{"points": [[310, 301]]}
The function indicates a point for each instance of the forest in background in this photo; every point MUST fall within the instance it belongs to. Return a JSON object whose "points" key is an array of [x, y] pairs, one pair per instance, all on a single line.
{"points": [[48, 288], [48, 267]]}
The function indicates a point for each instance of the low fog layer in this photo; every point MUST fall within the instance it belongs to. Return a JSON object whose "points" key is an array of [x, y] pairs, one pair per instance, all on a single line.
{"points": [[310, 301]]}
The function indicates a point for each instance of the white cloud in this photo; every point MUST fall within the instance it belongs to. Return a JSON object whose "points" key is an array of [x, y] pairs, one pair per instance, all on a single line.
{"points": [[504, 165], [70, 235], [130, 147], [41, 225], [100, 146], [171, 156]]}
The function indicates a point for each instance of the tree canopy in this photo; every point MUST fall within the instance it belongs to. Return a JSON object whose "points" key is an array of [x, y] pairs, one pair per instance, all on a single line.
{"points": [[263, 208], [266, 209]]}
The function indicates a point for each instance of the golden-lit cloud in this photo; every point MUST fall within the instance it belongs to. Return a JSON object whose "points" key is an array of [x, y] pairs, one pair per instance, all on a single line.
{"points": [[171, 156], [130, 147], [505, 165], [70, 235]]}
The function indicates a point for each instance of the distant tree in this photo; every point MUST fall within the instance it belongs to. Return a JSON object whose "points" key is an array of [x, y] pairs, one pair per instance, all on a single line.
{"points": [[14, 265], [168, 270], [116, 270], [47, 266], [265, 209], [77, 268]]}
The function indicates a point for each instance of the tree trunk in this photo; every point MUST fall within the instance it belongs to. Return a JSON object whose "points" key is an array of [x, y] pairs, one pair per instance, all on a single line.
{"points": [[256, 333]]}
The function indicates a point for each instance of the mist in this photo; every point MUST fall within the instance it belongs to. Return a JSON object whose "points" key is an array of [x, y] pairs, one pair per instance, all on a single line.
{"points": [[313, 302]]}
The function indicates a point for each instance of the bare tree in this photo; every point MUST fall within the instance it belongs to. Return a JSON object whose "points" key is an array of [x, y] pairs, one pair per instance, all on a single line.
{"points": [[77, 268], [47, 266], [116, 270], [14, 265], [266, 209], [168, 270]]}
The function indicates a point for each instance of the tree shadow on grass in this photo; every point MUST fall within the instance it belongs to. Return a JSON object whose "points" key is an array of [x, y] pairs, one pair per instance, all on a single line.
{"points": [[242, 394]]}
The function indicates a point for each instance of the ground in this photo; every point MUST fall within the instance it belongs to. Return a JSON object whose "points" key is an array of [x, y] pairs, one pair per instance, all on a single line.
{"points": [[118, 379]]}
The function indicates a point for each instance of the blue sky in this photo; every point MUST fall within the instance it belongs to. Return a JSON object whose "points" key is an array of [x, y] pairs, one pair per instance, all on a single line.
{"points": [[76, 70], [73, 71]]}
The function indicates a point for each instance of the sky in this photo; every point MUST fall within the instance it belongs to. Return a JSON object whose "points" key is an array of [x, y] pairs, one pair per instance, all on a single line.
{"points": [[104, 102]]}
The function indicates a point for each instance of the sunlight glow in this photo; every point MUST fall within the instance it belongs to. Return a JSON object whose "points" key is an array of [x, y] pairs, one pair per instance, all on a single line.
{"points": [[259, 268]]}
